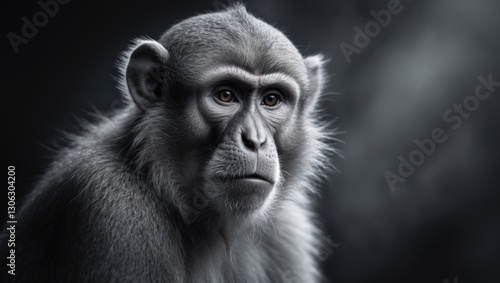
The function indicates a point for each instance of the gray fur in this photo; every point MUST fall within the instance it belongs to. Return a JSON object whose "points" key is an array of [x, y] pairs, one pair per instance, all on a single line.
{"points": [[133, 197]]}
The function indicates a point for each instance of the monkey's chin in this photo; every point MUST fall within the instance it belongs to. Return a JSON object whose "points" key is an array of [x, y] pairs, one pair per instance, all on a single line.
{"points": [[245, 195]]}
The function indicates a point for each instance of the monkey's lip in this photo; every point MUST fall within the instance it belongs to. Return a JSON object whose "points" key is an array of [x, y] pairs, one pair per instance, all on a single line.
{"points": [[254, 177], [251, 189]]}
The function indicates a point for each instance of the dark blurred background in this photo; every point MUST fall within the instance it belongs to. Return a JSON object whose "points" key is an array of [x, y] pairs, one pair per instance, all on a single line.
{"points": [[442, 224]]}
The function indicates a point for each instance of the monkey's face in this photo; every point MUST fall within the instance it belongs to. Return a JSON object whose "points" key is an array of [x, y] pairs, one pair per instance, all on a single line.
{"points": [[245, 114], [239, 102]]}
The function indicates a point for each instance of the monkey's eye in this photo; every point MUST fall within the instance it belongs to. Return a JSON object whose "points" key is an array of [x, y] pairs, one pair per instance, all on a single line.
{"points": [[271, 99], [225, 95]]}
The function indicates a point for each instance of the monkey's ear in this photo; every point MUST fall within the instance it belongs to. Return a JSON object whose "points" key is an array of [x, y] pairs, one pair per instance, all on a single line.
{"points": [[144, 73], [315, 73]]}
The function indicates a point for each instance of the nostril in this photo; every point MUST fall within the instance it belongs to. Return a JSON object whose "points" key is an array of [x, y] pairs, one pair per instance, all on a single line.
{"points": [[247, 142], [263, 143], [252, 143]]}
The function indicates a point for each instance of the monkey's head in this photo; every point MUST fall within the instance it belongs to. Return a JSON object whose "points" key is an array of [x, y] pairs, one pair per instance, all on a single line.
{"points": [[226, 122]]}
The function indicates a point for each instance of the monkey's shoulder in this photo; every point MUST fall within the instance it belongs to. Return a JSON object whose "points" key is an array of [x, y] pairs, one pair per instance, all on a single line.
{"points": [[91, 215]]}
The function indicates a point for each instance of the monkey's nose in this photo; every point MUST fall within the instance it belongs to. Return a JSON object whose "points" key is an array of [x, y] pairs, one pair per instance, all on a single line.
{"points": [[253, 142]]}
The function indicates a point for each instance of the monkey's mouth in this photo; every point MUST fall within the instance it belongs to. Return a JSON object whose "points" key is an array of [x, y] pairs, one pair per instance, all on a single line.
{"points": [[245, 192], [249, 177]]}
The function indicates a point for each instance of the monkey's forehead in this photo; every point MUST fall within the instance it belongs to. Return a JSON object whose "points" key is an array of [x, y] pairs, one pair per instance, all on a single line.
{"points": [[233, 37]]}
